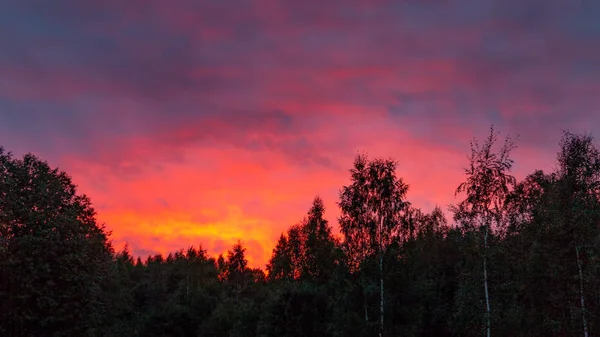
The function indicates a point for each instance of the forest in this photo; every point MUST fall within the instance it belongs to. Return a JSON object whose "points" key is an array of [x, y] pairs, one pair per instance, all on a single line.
{"points": [[516, 258]]}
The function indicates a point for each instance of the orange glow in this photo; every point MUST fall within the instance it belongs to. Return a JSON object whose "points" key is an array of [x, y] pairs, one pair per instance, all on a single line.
{"points": [[215, 197], [192, 123]]}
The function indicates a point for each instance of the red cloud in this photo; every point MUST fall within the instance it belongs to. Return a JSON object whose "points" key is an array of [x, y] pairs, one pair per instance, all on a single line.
{"points": [[204, 123]]}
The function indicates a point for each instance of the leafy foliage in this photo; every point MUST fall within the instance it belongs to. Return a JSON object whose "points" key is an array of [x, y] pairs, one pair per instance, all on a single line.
{"points": [[371, 207], [539, 238], [55, 258], [487, 181]]}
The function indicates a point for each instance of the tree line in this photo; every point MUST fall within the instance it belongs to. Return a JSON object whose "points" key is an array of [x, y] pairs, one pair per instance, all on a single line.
{"points": [[518, 258]]}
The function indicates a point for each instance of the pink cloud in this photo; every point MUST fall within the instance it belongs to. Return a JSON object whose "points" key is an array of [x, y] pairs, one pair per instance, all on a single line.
{"points": [[210, 122]]}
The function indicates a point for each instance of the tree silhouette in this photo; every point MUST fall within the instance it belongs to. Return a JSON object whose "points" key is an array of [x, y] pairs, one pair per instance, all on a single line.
{"points": [[371, 213], [538, 241], [55, 257], [578, 180], [487, 185], [308, 250]]}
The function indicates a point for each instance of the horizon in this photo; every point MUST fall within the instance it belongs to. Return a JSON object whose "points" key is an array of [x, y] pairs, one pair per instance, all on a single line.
{"points": [[185, 129]]}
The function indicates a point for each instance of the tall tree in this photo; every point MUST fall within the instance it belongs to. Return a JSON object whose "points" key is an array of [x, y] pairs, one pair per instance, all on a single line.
{"points": [[55, 257], [237, 264], [486, 186], [308, 250], [371, 208], [579, 180], [319, 245], [280, 265]]}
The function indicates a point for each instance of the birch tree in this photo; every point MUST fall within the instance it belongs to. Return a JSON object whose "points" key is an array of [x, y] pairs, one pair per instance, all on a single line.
{"points": [[579, 193], [486, 186], [371, 208]]}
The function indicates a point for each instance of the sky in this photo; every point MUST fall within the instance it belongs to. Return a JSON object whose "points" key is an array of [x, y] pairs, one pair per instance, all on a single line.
{"points": [[207, 121]]}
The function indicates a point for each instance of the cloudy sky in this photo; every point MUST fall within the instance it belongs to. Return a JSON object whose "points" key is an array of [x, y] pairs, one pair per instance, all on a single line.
{"points": [[206, 121]]}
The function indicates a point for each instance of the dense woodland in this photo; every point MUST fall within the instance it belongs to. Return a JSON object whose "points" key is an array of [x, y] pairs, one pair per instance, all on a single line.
{"points": [[518, 258]]}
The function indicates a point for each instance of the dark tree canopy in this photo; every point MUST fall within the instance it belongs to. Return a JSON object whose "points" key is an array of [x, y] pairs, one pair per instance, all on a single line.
{"points": [[488, 181], [308, 252], [521, 258], [372, 207], [372, 210], [55, 257]]}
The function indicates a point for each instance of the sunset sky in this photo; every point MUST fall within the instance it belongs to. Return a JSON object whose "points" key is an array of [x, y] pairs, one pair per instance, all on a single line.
{"points": [[207, 121]]}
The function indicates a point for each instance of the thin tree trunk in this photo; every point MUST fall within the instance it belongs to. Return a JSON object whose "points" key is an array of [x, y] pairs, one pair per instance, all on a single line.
{"points": [[485, 281], [364, 291], [381, 292], [381, 277], [366, 309], [585, 329]]}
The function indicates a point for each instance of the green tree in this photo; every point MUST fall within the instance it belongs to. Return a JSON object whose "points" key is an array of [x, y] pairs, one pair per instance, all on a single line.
{"points": [[578, 203], [308, 252], [307, 259], [486, 186], [55, 258], [122, 317], [280, 265], [319, 245], [371, 208], [237, 265]]}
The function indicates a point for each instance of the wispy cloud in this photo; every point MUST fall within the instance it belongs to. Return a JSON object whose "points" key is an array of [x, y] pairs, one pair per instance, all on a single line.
{"points": [[205, 122]]}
